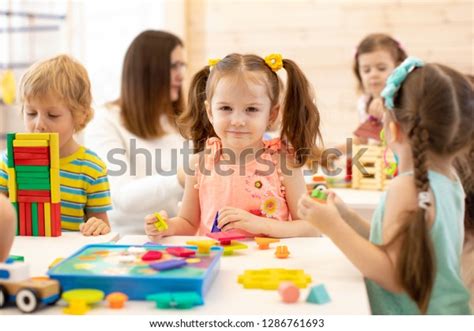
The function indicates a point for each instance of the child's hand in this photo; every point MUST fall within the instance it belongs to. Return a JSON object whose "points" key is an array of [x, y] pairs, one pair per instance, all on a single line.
{"points": [[376, 108], [236, 218], [150, 229], [94, 227], [322, 215]]}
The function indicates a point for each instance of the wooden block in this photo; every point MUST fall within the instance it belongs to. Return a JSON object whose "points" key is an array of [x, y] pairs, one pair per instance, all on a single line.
{"points": [[16, 206], [30, 143], [34, 162], [12, 185], [33, 193], [47, 219], [24, 180], [54, 150], [34, 186], [22, 215], [55, 219], [32, 136], [55, 185], [41, 219], [32, 199], [28, 169], [34, 219], [27, 156], [33, 175], [32, 150], [10, 161], [29, 229]]}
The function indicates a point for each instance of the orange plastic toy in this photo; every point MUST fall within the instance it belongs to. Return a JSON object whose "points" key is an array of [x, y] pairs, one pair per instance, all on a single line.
{"points": [[264, 243], [282, 252], [116, 300]]}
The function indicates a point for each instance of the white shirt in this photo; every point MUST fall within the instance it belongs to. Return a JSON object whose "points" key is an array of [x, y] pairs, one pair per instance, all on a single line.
{"points": [[138, 183]]}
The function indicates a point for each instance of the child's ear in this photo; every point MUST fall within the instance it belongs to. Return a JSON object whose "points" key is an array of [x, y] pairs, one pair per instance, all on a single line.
{"points": [[208, 111]]}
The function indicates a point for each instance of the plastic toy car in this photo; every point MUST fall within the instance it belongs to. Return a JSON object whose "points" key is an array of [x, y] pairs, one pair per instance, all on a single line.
{"points": [[27, 293]]}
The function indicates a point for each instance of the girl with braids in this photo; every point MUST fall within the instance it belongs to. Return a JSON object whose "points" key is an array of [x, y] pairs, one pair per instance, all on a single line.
{"points": [[411, 252], [253, 185]]}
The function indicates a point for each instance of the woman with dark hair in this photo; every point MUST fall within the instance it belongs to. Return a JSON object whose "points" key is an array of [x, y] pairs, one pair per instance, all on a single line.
{"points": [[137, 136]]}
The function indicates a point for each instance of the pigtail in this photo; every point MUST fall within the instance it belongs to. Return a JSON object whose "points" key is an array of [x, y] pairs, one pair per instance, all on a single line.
{"points": [[193, 123], [416, 264], [300, 124]]}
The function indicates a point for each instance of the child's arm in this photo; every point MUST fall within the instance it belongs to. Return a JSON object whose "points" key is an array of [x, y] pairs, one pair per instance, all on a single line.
{"points": [[96, 224], [375, 262], [7, 227], [236, 218], [355, 221], [187, 221]]}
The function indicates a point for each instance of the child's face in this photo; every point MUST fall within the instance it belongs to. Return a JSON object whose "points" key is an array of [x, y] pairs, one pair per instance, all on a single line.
{"points": [[240, 112], [47, 114], [374, 69]]}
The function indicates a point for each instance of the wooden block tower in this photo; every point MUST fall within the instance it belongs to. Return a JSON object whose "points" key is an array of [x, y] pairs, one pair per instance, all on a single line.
{"points": [[373, 162], [33, 182]]}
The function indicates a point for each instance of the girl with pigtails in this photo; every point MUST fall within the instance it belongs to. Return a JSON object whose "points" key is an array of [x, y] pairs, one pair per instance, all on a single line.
{"points": [[410, 254], [236, 180]]}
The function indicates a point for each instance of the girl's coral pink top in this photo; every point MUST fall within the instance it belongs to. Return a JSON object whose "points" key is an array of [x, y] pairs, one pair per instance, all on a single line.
{"points": [[254, 186]]}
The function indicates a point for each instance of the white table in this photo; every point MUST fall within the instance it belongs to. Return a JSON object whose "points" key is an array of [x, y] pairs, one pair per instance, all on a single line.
{"points": [[318, 257], [40, 252]]}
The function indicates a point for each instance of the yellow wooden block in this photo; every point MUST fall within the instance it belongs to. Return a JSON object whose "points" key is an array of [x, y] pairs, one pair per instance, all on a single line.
{"points": [[32, 136], [30, 143], [55, 185], [47, 219], [54, 151], [12, 184]]}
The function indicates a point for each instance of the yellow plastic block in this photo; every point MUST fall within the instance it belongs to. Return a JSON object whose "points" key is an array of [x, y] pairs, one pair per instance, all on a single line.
{"points": [[47, 219], [234, 245], [270, 279], [12, 184], [32, 136], [30, 143], [160, 224], [54, 150], [55, 185], [204, 246]]}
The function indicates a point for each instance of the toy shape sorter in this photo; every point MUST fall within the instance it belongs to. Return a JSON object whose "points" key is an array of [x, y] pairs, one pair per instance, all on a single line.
{"points": [[130, 270], [33, 182]]}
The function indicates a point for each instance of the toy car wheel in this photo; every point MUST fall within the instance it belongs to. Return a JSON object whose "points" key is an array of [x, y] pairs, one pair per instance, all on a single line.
{"points": [[3, 296], [27, 300]]}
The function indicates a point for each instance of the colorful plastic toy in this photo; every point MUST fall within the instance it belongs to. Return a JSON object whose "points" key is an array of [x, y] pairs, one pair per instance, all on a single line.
{"points": [[80, 299], [373, 161], [226, 237], [204, 246], [116, 300], [180, 251], [177, 300], [233, 246], [264, 243], [270, 279], [215, 228], [318, 295], [160, 224], [33, 182], [15, 258], [168, 264], [152, 256], [282, 252], [98, 266], [27, 293], [289, 292], [319, 195]]}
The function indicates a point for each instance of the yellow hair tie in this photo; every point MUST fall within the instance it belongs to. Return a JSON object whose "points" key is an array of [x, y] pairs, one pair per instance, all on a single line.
{"points": [[274, 61], [213, 62]]}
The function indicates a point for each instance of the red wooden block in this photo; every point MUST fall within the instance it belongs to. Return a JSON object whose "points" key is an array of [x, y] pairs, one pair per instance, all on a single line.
{"points": [[41, 219], [29, 227], [34, 193], [35, 150], [34, 199], [22, 212], [27, 156], [180, 251], [226, 237], [55, 219], [40, 162], [152, 256]]}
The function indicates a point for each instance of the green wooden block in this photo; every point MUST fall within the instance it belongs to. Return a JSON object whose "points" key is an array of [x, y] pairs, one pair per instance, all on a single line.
{"points": [[34, 186], [10, 138], [17, 258], [34, 219], [15, 205], [23, 168], [24, 180], [27, 175]]}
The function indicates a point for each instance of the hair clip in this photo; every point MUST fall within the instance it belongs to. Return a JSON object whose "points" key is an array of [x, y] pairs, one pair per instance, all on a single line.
{"points": [[274, 61]]}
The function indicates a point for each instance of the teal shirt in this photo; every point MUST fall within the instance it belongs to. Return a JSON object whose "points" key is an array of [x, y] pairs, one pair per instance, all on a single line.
{"points": [[449, 295]]}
